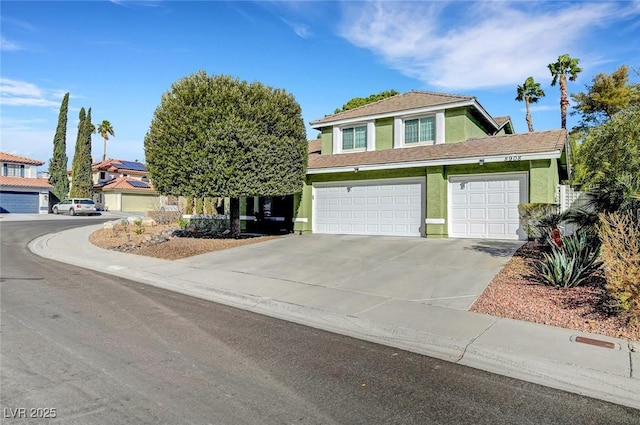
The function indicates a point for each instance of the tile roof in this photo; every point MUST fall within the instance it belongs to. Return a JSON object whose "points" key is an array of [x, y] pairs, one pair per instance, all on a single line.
{"points": [[120, 166], [7, 157], [400, 102], [125, 183], [512, 144], [25, 182]]}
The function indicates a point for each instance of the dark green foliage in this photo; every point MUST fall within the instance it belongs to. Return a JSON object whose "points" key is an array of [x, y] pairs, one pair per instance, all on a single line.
{"points": [[356, 102], [58, 163], [82, 181], [217, 136], [611, 149], [608, 95], [570, 264]]}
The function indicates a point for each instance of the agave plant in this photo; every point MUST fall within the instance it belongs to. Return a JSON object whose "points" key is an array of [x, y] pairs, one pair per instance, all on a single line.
{"points": [[569, 264]]}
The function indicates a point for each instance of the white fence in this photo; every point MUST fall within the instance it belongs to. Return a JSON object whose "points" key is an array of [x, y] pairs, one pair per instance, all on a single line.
{"points": [[567, 197]]}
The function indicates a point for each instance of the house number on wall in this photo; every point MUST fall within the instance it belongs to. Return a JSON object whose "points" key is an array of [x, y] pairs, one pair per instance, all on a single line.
{"points": [[513, 158]]}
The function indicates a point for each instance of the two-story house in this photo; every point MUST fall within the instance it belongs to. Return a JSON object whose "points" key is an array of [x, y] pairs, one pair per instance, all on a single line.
{"points": [[21, 191], [426, 164], [120, 185]]}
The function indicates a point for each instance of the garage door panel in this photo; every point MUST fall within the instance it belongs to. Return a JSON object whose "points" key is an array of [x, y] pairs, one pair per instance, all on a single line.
{"points": [[477, 199], [385, 208], [477, 214], [486, 206], [386, 200], [496, 213]]}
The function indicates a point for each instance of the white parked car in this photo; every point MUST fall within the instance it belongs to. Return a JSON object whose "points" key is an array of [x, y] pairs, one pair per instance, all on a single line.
{"points": [[73, 206]]}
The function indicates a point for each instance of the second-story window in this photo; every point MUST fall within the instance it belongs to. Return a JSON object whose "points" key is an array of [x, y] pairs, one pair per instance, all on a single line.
{"points": [[13, 170], [354, 138], [420, 130]]}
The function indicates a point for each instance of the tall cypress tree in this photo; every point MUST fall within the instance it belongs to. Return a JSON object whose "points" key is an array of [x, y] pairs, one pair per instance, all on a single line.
{"points": [[58, 163], [81, 181]]}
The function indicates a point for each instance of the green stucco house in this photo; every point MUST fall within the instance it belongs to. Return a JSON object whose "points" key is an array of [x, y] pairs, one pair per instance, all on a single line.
{"points": [[426, 165]]}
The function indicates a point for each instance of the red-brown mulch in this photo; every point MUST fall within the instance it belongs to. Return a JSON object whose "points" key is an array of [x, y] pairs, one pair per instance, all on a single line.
{"points": [[515, 293]]}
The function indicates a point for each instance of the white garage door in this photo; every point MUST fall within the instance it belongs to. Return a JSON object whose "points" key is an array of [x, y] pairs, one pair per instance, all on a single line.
{"points": [[360, 208], [486, 206]]}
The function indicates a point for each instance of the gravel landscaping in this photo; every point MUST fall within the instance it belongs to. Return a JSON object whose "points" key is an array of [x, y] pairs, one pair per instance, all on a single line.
{"points": [[513, 293], [160, 241]]}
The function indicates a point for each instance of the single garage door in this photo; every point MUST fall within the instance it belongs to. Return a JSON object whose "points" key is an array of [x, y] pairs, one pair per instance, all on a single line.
{"points": [[19, 202], [375, 208], [486, 206]]}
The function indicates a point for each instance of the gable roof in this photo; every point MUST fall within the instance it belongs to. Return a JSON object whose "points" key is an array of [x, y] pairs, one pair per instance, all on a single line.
{"points": [[7, 157], [25, 182], [120, 166], [414, 99], [537, 145], [126, 183]]}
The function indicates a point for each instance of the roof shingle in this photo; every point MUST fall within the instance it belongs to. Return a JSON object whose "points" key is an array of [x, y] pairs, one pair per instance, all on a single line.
{"points": [[400, 102], [511, 144]]}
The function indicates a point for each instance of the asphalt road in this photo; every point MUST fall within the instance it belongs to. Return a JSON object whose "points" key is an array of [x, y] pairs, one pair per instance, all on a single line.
{"points": [[103, 350]]}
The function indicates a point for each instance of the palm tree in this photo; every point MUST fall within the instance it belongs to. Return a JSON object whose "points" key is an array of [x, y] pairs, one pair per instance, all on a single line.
{"points": [[105, 129], [559, 70], [530, 92]]}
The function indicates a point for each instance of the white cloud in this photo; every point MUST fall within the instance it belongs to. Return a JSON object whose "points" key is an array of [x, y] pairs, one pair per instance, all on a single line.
{"points": [[462, 45], [8, 45], [22, 93], [301, 30]]}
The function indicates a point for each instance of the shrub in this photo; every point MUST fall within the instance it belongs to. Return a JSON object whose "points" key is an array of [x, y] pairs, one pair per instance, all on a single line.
{"points": [[530, 216], [164, 217], [183, 223], [188, 208], [620, 235], [570, 263], [199, 206]]}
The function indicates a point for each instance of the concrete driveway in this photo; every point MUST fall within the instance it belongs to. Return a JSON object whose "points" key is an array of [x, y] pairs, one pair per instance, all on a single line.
{"points": [[448, 272]]}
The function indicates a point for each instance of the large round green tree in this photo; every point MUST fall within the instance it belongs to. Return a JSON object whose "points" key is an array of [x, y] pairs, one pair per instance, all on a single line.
{"points": [[217, 136]]}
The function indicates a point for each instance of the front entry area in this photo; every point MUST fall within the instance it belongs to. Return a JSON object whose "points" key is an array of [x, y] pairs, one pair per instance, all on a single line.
{"points": [[486, 206], [389, 208]]}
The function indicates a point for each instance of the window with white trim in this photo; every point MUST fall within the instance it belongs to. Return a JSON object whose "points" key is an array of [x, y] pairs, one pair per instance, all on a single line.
{"points": [[420, 130], [354, 138]]}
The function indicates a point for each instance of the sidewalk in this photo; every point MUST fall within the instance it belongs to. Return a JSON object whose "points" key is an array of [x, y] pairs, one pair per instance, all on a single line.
{"points": [[555, 357]]}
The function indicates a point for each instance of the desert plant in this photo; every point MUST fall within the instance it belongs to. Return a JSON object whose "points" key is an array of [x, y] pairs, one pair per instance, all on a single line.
{"points": [[164, 217], [570, 263], [620, 235], [183, 223], [537, 219]]}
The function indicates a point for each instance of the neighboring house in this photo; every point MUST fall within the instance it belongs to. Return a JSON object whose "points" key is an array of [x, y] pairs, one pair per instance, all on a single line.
{"points": [[21, 191], [124, 186], [426, 164]]}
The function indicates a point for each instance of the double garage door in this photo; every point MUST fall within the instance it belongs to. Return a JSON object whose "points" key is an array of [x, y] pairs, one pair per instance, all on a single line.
{"points": [[19, 202], [370, 208], [480, 206]]}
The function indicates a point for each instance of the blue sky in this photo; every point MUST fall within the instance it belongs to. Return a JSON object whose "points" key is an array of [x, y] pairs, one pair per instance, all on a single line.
{"points": [[119, 57]]}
